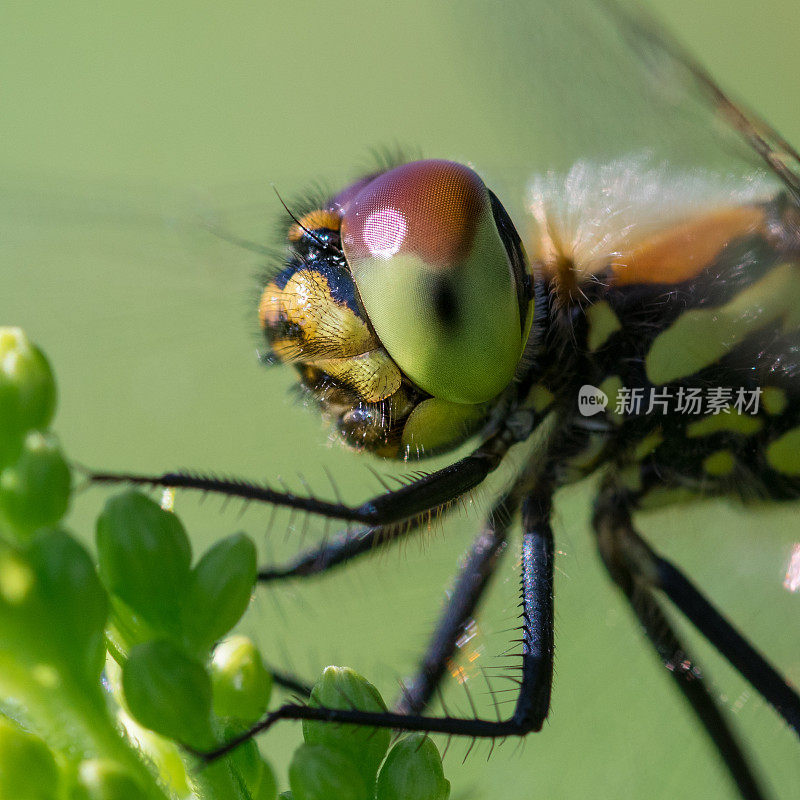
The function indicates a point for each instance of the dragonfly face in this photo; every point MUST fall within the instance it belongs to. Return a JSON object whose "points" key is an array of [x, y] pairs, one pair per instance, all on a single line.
{"points": [[406, 303]]}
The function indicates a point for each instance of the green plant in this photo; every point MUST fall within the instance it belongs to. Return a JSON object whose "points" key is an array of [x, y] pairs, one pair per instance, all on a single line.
{"points": [[113, 671]]}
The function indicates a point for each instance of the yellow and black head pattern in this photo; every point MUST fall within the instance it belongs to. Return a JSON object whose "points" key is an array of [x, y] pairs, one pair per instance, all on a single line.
{"points": [[405, 304]]}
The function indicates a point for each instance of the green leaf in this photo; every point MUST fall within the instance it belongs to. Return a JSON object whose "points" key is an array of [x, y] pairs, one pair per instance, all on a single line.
{"points": [[27, 391], [413, 771], [145, 557], [169, 692], [103, 779], [319, 773], [341, 687], [254, 771], [34, 492], [240, 682], [268, 786], [27, 768], [219, 591]]}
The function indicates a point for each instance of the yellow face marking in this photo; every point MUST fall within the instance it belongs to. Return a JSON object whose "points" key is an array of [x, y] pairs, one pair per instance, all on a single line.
{"points": [[783, 455], [720, 463], [329, 329], [736, 423], [602, 323], [700, 337], [684, 251], [373, 375], [773, 400], [320, 218]]}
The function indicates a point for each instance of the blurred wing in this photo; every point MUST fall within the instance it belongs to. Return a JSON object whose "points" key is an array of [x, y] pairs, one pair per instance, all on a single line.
{"points": [[664, 55], [591, 81]]}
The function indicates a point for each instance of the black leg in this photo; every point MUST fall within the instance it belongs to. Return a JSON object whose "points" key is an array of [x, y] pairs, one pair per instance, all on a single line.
{"points": [[620, 549], [341, 550], [470, 586], [289, 681], [537, 656], [538, 557], [764, 678], [427, 495]]}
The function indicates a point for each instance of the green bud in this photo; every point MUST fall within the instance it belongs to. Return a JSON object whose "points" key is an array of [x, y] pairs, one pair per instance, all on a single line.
{"points": [[219, 591], [27, 768], [286, 795], [169, 692], [340, 687], [240, 682], [53, 611], [103, 779], [27, 391], [67, 609], [144, 556], [413, 771], [34, 492], [319, 773]]}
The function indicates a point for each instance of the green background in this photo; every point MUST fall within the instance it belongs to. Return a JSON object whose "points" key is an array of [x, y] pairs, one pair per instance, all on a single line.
{"points": [[122, 126]]}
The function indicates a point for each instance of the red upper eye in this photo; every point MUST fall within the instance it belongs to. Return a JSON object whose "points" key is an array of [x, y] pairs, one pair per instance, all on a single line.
{"points": [[427, 208]]}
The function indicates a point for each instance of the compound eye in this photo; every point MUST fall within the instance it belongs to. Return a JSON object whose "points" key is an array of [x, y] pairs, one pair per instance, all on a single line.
{"points": [[435, 279]]}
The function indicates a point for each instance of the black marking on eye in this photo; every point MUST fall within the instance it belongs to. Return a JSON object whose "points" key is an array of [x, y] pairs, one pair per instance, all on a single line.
{"points": [[445, 303], [513, 244]]}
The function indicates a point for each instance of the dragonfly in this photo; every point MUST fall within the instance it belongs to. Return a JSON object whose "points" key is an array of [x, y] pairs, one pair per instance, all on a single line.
{"points": [[627, 310]]}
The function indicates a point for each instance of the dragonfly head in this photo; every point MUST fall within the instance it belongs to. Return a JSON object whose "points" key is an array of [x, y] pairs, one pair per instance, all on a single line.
{"points": [[405, 304]]}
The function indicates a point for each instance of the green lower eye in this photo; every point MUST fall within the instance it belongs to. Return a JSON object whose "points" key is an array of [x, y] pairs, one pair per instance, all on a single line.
{"points": [[436, 425]]}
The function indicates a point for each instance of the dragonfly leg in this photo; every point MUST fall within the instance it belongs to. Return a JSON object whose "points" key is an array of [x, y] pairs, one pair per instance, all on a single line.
{"points": [[742, 655], [470, 585], [289, 681], [429, 494], [339, 551], [533, 701], [764, 678], [621, 550]]}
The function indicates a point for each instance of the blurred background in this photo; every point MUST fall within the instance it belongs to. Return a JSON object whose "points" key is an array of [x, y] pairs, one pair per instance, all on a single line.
{"points": [[126, 127]]}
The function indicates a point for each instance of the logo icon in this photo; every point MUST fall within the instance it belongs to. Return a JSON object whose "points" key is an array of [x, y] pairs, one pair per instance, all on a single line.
{"points": [[591, 400]]}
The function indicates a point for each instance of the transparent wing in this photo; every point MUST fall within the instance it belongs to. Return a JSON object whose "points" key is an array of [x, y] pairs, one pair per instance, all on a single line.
{"points": [[599, 81]]}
